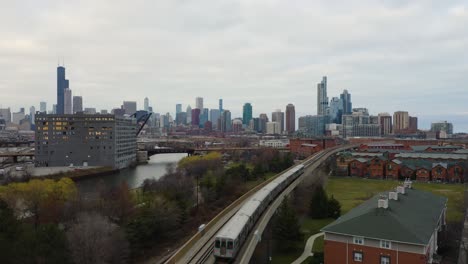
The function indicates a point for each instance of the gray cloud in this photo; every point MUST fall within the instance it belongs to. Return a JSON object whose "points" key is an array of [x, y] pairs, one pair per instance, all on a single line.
{"points": [[391, 55]]}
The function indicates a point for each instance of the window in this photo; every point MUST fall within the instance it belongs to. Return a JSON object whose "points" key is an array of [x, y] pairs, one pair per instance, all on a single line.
{"points": [[357, 256], [229, 245], [217, 244], [384, 260], [223, 244], [358, 240], [385, 244]]}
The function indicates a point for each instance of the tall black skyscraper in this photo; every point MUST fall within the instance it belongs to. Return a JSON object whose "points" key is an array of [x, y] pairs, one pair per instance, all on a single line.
{"points": [[345, 99], [62, 84]]}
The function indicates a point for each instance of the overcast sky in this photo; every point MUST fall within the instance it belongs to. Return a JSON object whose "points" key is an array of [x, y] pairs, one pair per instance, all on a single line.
{"points": [[390, 55]]}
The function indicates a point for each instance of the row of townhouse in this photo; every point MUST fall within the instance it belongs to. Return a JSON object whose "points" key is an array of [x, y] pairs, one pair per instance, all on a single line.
{"points": [[377, 166]]}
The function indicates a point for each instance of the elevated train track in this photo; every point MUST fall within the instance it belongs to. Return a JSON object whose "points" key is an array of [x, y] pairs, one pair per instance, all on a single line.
{"points": [[199, 249]]}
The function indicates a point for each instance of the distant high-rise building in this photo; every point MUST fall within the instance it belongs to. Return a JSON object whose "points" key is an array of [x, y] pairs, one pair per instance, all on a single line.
{"points": [[92, 111], [178, 108], [214, 116], [442, 126], [246, 114], [225, 121], [385, 122], [18, 116], [413, 124], [400, 121], [62, 84], [5, 113], [220, 106], [290, 118], [32, 114], [54, 109], [204, 114], [199, 103], [345, 99], [189, 114], [104, 112], [43, 107], [273, 128], [335, 110], [196, 117], [181, 118], [130, 107], [68, 103], [77, 104], [263, 123], [146, 104], [313, 125], [236, 125], [278, 116], [255, 125], [322, 99]]}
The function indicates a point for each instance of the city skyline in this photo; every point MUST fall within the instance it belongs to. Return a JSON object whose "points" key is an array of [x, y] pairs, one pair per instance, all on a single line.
{"points": [[286, 64]]}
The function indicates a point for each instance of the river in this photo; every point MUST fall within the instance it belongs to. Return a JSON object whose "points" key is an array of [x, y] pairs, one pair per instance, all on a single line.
{"points": [[134, 177]]}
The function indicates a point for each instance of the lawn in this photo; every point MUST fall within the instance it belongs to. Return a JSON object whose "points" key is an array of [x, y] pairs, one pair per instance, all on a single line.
{"points": [[351, 192]]}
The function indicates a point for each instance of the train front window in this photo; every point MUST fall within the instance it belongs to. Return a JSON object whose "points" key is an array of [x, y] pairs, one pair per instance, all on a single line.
{"points": [[229, 245], [223, 244], [217, 244]]}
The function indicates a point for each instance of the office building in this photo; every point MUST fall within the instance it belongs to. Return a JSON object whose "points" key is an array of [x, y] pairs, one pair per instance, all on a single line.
{"points": [[104, 112], [400, 121], [199, 103], [358, 124], [413, 124], [195, 117], [18, 116], [322, 99], [345, 99], [32, 114], [273, 128], [214, 116], [225, 121], [290, 119], [246, 114], [263, 123], [313, 125], [43, 107], [278, 116], [255, 125], [54, 109], [130, 107], [220, 106], [146, 104], [189, 114], [403, 226], [237, 125], [67, 103], [62, 84], [178, 108], [385, 122], [92, 111], [77, 104], [83, 140], [181, 118], [5, 113], [440, 126], [335, 110], [204, 114]]}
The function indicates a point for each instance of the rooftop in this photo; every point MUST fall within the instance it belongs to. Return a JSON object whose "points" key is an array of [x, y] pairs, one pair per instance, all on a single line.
{"points": [[432, 156], [411, 219]]}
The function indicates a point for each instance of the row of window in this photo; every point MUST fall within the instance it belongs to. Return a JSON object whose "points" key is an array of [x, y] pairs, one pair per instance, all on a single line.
{"points": [[383, 243], [359, 256]]}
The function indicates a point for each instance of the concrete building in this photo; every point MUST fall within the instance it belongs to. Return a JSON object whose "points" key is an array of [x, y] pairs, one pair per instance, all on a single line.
{"points": [[189, 114], [345, 99], [77, 104], [225, 121], [83, 140], [214, 116], [181, 118], [274, 143], [32, 114], [178, 108], [413, 124], [54, 109], [18, 116], [246, 114], [400, 121], [358, 124], [313, 125], [322, 99], [290, 119], [5, 113], [92, 111], [204, 115], [130, 107], [278, 116], [273, 128], [263, 123], [104, 112], [146, 104], [196, 117], [385, 122], [67, 103], [237, 125], [255, 125], [199, 103], [62, 84], [444, 126], [401, 226], [43, 107]]}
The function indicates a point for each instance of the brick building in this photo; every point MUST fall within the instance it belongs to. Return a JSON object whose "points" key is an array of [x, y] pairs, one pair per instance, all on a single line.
{"points": [[396, 227]]}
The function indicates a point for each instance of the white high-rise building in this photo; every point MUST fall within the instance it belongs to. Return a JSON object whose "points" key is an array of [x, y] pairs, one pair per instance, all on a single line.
{"points": [[273, 128], [43, 107], [146, 104], [189, 114], [278, 116], [199, 103], [322, 99], [32, 114], [67, 104], [77, 104]]}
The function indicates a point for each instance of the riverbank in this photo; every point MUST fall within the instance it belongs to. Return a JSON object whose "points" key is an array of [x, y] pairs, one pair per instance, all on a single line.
{"points": [[76, 174]]}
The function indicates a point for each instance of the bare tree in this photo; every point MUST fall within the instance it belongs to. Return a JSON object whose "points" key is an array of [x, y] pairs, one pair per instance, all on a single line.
{"points": [[94, 239]]}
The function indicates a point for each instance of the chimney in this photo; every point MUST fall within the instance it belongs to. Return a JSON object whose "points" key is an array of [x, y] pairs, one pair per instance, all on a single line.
{"points": [[382, 202], [401, 189], [393, 196]]}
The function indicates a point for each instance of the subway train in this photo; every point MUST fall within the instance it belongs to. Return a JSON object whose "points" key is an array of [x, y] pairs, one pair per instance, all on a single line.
{"points": [[233, 234]]}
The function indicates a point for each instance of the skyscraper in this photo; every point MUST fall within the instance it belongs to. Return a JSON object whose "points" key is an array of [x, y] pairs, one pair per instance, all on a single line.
{"points": [[278, 116], [146, 104], [199, 103], [345, 99], [322, 99], [5, 113], [77, 104], [226, 125], [290, 118], [385, 122], [43, 107], [214, 116], [62, 84], [263, 122], [54, 109], [400, 121], [336, 110], [204, 113], [189, 114], [220, 106], [247, 114], [130, 107], [178, 108], [32, 114], [67, 105], [196, 117]]}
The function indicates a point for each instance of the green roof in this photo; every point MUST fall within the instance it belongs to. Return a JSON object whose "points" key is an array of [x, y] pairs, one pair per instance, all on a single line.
{"points": [[411, 219]]}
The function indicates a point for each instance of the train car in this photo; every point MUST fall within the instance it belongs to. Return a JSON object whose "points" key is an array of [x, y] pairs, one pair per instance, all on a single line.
{"points": [[229, 240]]}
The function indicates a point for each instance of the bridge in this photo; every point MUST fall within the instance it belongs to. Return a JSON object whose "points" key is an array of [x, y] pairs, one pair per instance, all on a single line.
{"points": [[199, 248], [6, 144], [16, 155]]}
